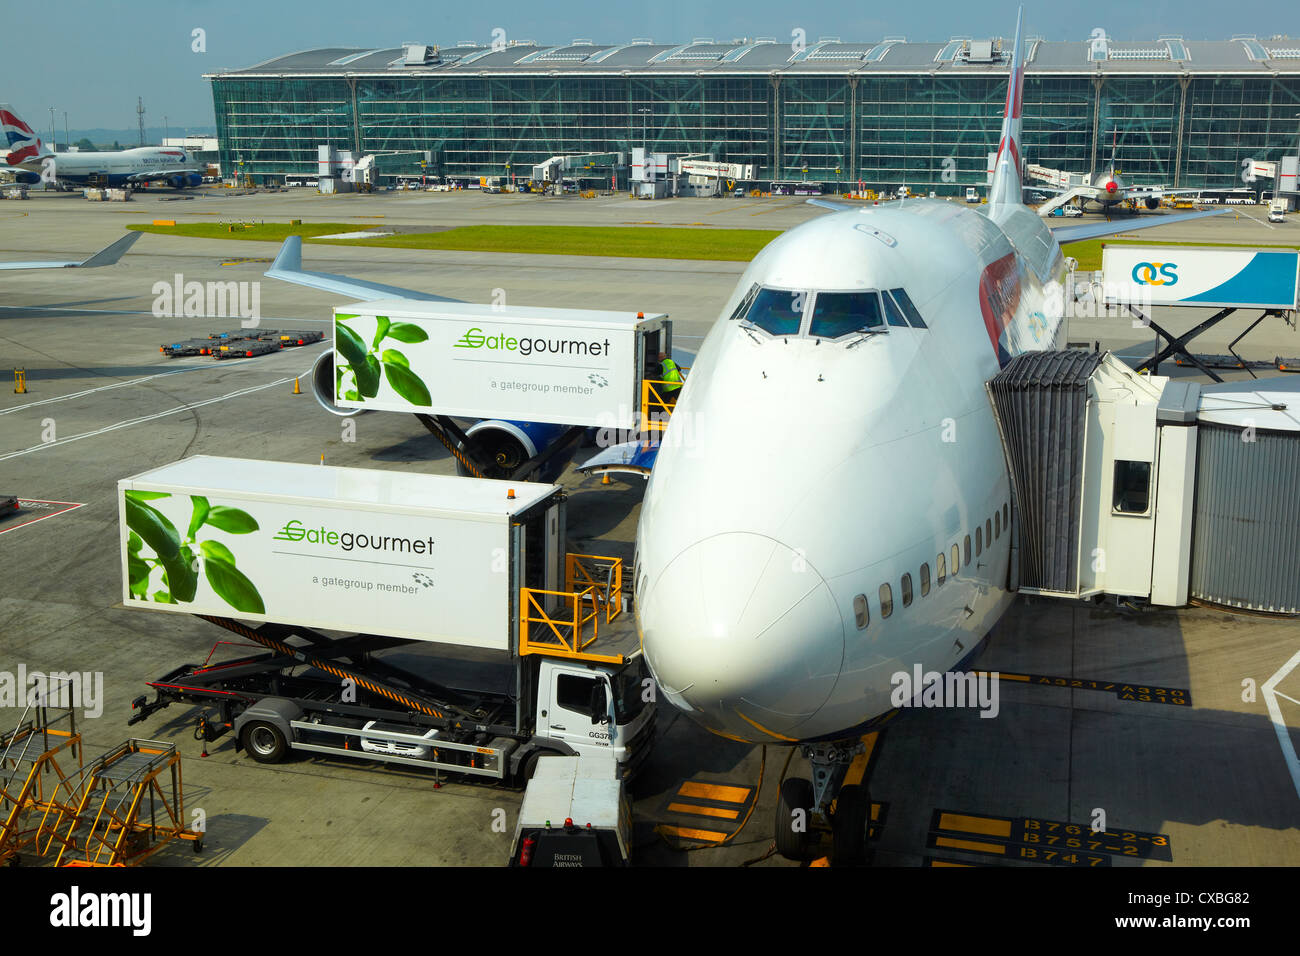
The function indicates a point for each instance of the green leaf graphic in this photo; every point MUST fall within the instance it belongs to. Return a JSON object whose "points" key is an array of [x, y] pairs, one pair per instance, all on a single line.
{"points": [[215, 549], [152, 525], [182, 574], [338, 377], [406, 332], [349, 344], [407, 384], [381, 330], [133, 543], [235, 589], [137, 576], [231, 520], [148, 495], [201, 509], [352, 395], [368, 377], [162, 597], [396, 358]]}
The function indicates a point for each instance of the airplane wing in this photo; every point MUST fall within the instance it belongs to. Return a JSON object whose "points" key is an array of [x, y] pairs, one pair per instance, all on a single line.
{"points": [[1098, 230], [828, 204], [105, 257], [288, 268], [1154, 192]]}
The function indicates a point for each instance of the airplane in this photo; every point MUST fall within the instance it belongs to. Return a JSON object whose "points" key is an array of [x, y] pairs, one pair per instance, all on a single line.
{"points": [[1105, 188], [760, 598], [105, 257], [30, 161]]}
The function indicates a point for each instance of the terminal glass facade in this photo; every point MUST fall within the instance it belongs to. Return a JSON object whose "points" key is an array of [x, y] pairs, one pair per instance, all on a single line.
{"points": [[883, 130]]}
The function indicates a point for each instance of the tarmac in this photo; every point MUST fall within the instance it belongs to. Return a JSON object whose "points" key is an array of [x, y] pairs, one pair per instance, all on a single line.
{"points": [[1207, 777]]}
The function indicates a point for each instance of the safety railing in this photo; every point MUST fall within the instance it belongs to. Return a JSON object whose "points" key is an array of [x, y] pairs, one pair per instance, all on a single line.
{"points": [[658, 401], [603, 575]]}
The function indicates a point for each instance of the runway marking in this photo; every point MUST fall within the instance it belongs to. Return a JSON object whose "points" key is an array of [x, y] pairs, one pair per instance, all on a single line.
{"points": [[1056, 835], [703, 811], [1015, 852], [128, 423], [133, 381], [1279, 725], [689, 833], [36, 504], [1122, 690], [722, 803], [938, 861], [714, 791]]}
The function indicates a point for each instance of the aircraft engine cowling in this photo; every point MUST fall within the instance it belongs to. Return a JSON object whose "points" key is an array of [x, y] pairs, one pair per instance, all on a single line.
{"points": [[1152, 202], [185, 180], [503, 446], [26, 178], [322, 386]]}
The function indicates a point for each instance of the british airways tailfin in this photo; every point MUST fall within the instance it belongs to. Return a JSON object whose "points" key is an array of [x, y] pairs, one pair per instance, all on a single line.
{"points": [[20, 139], [1006, 189]]}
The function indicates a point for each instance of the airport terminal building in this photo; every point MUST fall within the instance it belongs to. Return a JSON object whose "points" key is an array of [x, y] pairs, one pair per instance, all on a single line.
{"points": [[884, 114]]}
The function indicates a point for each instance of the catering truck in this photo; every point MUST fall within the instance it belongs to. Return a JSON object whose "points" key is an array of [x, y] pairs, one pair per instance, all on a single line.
{"points": [[426, 620]]}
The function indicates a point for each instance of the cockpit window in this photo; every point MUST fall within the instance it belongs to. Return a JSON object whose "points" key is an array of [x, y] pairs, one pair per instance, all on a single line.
{"points": [[776, 311], [841, 313], [746, 302], [909, 310], [893, 312]]}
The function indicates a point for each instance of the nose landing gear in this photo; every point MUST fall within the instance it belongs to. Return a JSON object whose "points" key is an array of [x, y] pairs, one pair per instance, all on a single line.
{"points": [[826, 809]]}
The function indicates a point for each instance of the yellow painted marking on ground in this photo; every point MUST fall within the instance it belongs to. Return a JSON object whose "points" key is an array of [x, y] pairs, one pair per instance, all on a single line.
{"points": [[764, 212], [703, 811], [966, 824], [1003, 675], [771, 733], [713, 791], [971, 845], [820, 861], [934, 863], [858, 766], [686, 833], [875, 813]]}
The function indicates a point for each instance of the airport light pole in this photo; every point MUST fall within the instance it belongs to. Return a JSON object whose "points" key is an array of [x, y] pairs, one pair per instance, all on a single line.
{"points": [[54, 140]]}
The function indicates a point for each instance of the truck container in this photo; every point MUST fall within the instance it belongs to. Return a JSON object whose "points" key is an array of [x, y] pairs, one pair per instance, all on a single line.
{"points": [[465, 633], [578, 367], [575, 813]]}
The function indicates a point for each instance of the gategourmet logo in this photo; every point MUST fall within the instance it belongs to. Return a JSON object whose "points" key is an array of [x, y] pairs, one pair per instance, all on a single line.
{"points": [[475, 338], [298, 532]]}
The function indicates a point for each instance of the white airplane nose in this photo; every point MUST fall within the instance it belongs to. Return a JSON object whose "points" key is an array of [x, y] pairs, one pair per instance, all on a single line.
{"points": [[742, 632]]}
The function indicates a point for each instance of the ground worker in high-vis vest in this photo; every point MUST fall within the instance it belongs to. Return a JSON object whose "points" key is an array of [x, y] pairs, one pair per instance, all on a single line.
{"points": [[672, 375]]}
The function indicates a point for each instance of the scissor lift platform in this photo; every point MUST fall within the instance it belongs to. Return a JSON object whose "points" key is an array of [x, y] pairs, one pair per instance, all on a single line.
{"points": [[33, 780]]}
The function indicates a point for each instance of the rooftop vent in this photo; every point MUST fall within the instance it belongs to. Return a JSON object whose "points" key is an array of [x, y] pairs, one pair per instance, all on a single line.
{"points": [[418, 54]]}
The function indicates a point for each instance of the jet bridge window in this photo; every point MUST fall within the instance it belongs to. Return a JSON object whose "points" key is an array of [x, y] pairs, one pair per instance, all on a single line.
{"points": [[775, 311], [842, 313], [1132, 487]]}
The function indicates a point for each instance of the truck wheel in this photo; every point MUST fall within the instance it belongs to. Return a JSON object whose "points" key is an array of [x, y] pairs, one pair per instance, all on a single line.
{"points": [[264, 742], [851, 827], [795, 838], [530, 765]]}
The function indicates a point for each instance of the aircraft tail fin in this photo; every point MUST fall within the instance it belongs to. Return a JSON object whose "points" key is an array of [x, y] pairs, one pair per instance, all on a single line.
{"points": [[20, 139], [1007, 187]]}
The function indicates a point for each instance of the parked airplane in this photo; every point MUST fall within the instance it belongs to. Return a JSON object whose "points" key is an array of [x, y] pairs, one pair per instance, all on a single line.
{"points": [[30, 161], [105, 257], [1106, 188], [869, 531]]}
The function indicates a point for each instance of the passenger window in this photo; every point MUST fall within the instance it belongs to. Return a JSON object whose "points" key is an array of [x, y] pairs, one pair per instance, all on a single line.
{"points": [[979, 541], [777, 311], [966, 550], [940, 572], [925, 579], [1132, 494], [906, 588], [861, 613], [956, 562], [843, 313], [908, 308], [988, 531], [893, 312], [886, 601], [997, 524]]}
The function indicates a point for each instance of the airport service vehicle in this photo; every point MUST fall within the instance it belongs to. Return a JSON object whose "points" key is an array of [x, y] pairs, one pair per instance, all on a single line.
{"points": [[1277, 211], [575, 813], [972, 194], [426, 620], [30, 160], [534, 379]]}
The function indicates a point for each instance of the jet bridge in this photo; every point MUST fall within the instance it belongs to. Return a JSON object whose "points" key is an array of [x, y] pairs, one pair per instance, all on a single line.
{"points": [[1148, 488]]}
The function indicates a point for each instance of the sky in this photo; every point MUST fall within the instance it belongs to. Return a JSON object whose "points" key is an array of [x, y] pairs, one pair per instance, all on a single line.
{"points": [[95, 57]]}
